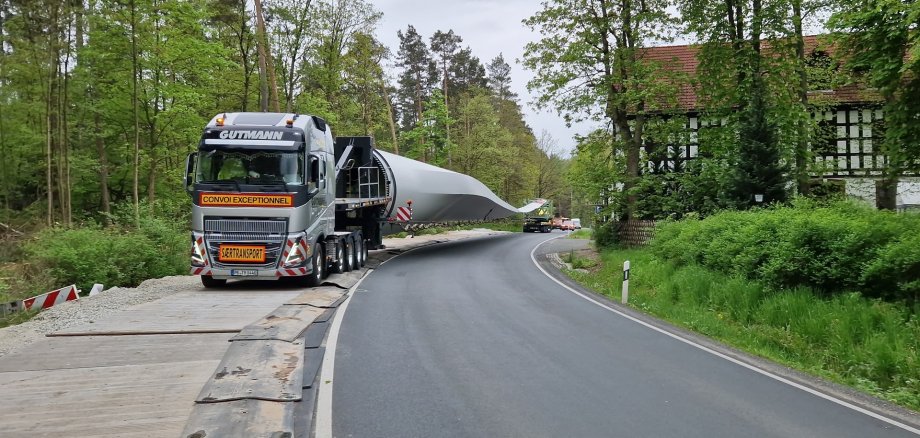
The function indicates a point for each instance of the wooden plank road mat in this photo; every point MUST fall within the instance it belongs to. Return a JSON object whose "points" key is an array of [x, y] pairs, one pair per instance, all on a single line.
{"points": [[286, 323], [143, 401], [108, 351], [324, 297], [242, 418], [189, 312], [264, 370], [346, 280]]}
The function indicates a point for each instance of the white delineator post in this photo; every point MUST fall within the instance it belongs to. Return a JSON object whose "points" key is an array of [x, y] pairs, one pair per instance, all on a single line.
{"points": [[624, 297]]}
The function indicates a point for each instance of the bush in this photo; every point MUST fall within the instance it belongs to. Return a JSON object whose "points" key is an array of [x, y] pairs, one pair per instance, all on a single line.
{"points": [[112, 256], [607, 235], [832, 248]]}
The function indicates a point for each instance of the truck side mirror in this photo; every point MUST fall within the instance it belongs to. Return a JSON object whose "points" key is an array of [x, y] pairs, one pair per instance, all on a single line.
{"points": [[190, 172]]}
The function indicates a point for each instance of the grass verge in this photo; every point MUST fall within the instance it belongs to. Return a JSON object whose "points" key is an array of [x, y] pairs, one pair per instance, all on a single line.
{"points": [[583, 233], [864, 343]]}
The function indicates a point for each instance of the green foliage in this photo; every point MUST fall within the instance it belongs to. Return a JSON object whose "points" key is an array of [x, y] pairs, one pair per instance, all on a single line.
{"points": [[115, 256], [872, 345], [581, 234], [832, 248], [759, 168], [578, 262], [882, 44], [607, 235]]}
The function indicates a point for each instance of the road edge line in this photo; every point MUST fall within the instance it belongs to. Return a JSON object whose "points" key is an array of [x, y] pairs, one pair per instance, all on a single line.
{"points": [[709, 350]]}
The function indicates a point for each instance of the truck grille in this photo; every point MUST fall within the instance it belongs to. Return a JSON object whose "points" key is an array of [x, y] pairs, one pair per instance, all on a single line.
{"points": [[272, 233]]}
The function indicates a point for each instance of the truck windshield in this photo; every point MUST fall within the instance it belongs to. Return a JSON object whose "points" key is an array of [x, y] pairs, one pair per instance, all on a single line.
{"points": [[255, 167]]}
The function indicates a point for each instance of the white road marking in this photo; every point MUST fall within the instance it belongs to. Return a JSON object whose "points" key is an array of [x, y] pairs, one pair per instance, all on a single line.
{"points": [[723, 356], [322, 425]]}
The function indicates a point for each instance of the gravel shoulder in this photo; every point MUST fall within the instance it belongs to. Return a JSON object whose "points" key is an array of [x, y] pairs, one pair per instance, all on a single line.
{"points": [[89, 309]]}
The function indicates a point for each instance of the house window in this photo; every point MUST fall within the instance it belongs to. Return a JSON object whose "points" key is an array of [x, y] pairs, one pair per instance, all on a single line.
{"points": [[845, 142]]}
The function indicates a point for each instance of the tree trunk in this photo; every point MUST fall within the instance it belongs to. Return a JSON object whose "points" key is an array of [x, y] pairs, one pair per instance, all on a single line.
{"points": [[266, 62], [103, 169], [390, 119], [48, 182], [801, 149], [886, 192], [137, 131]]}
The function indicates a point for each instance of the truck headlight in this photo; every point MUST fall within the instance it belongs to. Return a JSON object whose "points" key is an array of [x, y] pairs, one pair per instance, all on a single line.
{"points": [[199, 257], [298, 254]]}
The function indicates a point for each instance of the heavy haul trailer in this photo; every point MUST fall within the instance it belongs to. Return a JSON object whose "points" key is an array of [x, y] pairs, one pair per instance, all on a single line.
{"points": [[275, 196]]}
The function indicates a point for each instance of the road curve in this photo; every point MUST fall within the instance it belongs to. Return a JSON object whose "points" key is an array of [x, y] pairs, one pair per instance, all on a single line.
{"points": [[469, 338]]}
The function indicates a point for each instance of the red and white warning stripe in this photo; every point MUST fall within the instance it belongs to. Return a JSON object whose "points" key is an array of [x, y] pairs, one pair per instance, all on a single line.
{"points": [[49, 299], [403, 214], [292, 272], [201, 271]]}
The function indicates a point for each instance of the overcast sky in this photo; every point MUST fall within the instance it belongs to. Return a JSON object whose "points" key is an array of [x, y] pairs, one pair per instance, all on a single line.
{"points": [[488, 27]]}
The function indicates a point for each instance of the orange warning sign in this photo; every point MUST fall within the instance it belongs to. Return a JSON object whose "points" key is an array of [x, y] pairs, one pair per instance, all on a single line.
{"points": [[245, 200], [241, 253]]}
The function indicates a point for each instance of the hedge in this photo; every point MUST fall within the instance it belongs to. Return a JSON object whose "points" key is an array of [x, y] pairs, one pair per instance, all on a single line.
{"points": [[837, 248]]}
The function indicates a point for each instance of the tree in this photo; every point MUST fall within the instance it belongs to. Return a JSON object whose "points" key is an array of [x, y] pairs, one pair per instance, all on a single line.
{"points": [[499, 79], [734, 73], [590, 59], [417, 78], [880, 38]]}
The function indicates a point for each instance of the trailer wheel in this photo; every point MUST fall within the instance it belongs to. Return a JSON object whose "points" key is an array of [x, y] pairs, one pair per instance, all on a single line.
{"points": [[210, 282], [338, 266], [349, 257], [319, 267], [362, 250]]}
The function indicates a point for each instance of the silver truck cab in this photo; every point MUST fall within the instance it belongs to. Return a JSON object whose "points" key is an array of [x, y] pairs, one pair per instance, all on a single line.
{"points": [[263, 195]]}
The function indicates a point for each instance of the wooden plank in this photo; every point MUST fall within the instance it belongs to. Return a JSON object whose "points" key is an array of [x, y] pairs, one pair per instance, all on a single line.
{"points": [[152, 400], [105, 351], [286, 323], [264, 370], [346, 280], [323, 297], [190, 312], [242, 418]]}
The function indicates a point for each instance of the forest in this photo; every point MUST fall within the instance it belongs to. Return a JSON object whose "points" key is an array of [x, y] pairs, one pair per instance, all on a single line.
{"points": [[100, 101]]}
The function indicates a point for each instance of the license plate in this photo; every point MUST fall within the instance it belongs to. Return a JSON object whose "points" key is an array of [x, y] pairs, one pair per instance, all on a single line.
{"points": [[243, 272], [241, 253]]}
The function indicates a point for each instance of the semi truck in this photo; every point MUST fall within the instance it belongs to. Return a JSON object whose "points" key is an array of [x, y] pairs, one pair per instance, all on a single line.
{"points": [[539, 218], [276, 195]]}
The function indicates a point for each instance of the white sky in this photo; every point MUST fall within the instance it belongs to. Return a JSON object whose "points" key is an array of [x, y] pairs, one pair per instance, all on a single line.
{"points": [[488, 27]]}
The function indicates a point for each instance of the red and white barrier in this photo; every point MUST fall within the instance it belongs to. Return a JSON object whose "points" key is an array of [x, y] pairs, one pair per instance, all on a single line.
{"points": [[49, 299], [403, 214]]}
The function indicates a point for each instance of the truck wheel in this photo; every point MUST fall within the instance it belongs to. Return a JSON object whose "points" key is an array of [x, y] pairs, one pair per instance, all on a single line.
{"points": [[338, 266], [349, 256], [211, 282], [362, 250], [319, 267]]}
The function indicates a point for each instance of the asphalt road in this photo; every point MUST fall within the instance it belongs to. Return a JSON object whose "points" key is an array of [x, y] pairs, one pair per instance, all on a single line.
{"points": [[470, 339]]}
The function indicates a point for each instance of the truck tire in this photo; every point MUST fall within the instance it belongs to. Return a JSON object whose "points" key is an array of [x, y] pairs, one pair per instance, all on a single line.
{"points": [[349, 256], [338, 266], [318, 261], [362, 250], [210, 282]]}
